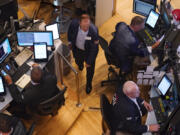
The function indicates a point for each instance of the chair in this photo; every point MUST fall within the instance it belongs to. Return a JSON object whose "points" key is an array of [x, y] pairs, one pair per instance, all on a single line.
{"points": [[111, 60], [52, 105]]}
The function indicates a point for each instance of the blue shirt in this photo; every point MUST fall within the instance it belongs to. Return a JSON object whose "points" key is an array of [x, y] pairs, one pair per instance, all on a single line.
{"points": [[81, 38]]}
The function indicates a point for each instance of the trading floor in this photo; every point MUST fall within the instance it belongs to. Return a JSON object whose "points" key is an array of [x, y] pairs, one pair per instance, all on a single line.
{"points": [[81, 114]]}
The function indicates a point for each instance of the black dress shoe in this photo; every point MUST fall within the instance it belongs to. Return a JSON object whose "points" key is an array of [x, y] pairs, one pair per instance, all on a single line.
{"points": [[81, 68], [88, 89]]}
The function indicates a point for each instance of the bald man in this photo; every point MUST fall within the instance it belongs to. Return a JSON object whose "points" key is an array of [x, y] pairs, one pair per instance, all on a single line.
{"points": [[42, 87], [129, 108]]}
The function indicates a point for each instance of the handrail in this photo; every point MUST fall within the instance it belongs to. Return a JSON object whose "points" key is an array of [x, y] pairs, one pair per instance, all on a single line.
{"points": [[76, 75]]}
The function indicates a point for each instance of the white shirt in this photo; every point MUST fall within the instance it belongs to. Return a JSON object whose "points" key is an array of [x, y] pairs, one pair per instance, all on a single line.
{"points": [[81, 38]]}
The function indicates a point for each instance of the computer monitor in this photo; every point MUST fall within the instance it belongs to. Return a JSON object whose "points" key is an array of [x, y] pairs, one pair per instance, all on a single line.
{"points": [[40, 52], [164, 85], [143, 7], [2, 87], [5, 49], [152, 19], [54, 29], [27, 38], [165, 15]]}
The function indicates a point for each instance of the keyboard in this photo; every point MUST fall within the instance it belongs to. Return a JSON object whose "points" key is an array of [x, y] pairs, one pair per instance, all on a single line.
{"points": [[20, 72], [146, 37], [23, 56], [159, 109]]}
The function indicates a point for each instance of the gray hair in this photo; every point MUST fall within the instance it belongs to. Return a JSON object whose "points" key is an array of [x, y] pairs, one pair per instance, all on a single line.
{"points": [[128, 86]]}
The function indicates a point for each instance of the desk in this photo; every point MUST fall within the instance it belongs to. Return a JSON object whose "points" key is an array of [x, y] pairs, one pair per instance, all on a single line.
{"points": [[151, 118], [8, 97]]}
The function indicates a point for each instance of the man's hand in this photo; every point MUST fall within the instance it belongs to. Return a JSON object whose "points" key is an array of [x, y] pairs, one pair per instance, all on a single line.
{"points": [[35, 65], [154, 128], [87, 65], [148, 106], [8, 79]]}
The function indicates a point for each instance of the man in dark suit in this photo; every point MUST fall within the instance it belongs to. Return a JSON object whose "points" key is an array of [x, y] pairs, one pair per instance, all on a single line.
{"points": [[83, 40], [43, 86], [125, 45], [11, 125], [129, 109]]}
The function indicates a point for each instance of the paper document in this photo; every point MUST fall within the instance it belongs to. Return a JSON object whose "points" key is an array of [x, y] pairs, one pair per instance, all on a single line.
{"points": [[23, 81], [150, 69], [139, 81], [140, 75], [23, 56]]}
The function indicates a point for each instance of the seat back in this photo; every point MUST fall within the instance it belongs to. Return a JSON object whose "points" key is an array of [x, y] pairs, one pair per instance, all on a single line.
{"points": [[52, 105], [110, 58], [107, 111]]}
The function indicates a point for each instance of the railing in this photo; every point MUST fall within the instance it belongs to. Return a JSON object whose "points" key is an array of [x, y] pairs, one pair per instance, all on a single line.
{"points": [[62, 58]]}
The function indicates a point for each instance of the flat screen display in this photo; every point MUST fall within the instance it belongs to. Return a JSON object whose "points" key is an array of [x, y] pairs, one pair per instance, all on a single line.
{"points": [[143, 7], [5, 49], [27, 38], [2, 89], [54, 29], [152, 19], [164, 85], [40, 51]]}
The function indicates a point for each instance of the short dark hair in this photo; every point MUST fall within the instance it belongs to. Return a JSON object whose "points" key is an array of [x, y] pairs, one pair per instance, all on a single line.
{"points": [[36, 74], [5, 123], [137, 20], [84, 16]]}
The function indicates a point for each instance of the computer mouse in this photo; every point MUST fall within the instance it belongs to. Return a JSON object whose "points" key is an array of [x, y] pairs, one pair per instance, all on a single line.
{"points": [[2, 99]]}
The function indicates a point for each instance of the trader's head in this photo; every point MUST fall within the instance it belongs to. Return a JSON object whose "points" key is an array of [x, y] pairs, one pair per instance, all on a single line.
{"points": [[84, 22], [5, 125], [137, 23], [131, 89], [36, 74]]}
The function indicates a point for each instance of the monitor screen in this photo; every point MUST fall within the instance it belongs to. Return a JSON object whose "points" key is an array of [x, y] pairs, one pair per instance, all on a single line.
{"points": [[54, 29], [143, 7], [152, 19], [164, 85], [40, 51], [27, 38], [5, 49], [165, 16], [2, 89]]}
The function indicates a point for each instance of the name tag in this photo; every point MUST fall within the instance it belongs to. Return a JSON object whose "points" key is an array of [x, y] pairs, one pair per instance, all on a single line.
{"points": [[128, 118], [88, 38]]}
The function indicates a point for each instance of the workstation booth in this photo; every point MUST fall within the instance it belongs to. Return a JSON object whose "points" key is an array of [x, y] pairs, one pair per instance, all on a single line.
{"points": [[31, 42]]}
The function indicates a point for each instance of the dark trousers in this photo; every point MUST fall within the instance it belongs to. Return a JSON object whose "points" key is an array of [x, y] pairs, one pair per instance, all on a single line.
{"points": [[80, 57]]}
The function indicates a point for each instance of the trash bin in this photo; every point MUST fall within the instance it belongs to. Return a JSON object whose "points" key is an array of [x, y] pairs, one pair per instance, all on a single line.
{"points": [[67, 54]]}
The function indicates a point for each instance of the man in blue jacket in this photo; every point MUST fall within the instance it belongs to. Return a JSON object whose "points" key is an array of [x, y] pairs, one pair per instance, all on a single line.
{"points": [[83, 40], [125, 45]]}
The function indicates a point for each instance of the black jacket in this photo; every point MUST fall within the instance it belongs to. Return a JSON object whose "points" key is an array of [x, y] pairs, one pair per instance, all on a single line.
{"points": [[90, 47], [127, 114], [125, 46], [35, 94], [14, 123]]}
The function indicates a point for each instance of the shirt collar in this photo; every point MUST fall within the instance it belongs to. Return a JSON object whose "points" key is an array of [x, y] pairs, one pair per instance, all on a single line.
{"points": [[83, 31], [33, 83], [133, 99]]}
